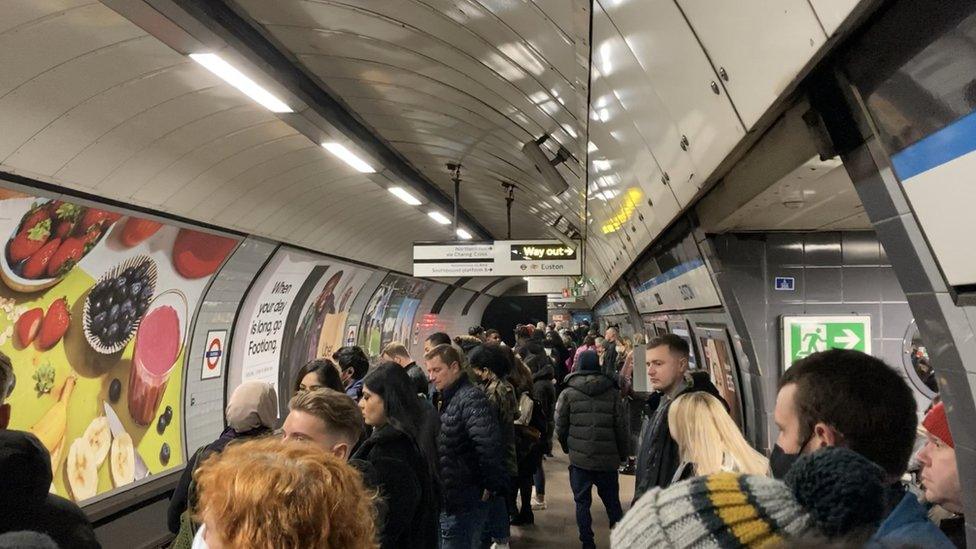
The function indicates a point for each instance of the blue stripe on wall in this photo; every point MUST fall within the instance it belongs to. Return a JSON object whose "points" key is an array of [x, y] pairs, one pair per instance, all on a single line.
{"points": [[672, 273], [947, 144]]}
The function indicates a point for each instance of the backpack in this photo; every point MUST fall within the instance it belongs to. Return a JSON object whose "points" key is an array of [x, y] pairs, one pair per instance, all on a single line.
{"points": [[530, 437]]}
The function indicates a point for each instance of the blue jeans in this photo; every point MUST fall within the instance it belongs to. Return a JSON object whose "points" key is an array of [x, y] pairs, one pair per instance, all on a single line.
{"points": [[540, 481], [463, 530], [497, 526], [582, 481]]}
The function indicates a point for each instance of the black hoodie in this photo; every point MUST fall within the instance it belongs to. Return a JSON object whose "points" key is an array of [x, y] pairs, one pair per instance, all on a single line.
{"points": [[26, 504]]}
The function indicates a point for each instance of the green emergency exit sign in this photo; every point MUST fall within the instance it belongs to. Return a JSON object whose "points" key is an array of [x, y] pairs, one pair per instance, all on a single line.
{"points": [[805, 335]]}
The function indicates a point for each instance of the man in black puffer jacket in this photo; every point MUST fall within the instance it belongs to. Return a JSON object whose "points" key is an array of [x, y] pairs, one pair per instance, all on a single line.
{"points": [[591, 428], [472, 466]]}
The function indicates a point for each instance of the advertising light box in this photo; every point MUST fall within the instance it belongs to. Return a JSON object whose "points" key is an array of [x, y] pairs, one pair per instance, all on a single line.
{"points": [[498, 258], [295, 312], [389, 315], [95, 307]]}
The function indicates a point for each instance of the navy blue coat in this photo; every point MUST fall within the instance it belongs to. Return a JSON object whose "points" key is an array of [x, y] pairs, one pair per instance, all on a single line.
{"points": [[469, 448]]}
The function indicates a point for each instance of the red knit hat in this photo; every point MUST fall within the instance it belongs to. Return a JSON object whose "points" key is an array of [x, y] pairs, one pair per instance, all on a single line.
{"points": [[937, 425]]}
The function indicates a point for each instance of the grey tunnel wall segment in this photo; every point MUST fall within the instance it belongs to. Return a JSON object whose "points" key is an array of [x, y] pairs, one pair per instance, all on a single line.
{"points": [[948, 330], [836, 273]]}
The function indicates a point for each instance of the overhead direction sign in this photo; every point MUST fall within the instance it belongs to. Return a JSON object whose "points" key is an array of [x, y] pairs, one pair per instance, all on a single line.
{"points": [[498, 258], [805, 335]]}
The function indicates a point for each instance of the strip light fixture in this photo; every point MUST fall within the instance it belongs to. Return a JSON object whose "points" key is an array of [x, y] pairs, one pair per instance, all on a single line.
{"points": [[405, 196], [215, 64], [439, 217], [347, 156], [463, 235]]}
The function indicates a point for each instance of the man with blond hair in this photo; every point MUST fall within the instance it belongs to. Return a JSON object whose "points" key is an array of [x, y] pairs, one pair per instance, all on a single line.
{"points": [[397, 352], [327, 418]]}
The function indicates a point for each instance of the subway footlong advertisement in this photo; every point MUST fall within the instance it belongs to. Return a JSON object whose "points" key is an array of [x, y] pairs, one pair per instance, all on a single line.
{"points": [[95, 308], [295, 312]]}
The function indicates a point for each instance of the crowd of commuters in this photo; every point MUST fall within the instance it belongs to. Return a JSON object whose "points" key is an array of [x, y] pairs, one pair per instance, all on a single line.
{"points": [[451, 454]]}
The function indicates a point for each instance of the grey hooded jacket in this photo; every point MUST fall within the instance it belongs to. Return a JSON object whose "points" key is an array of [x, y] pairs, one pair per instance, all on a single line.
{"points": [[590, 422]]}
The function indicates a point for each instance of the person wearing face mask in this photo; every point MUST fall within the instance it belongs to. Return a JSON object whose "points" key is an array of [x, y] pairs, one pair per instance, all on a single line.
{"points": [[293, 495], [251, 413], [667, 368], [940, 475], [851, 399], [403, 473], [353, 365]]}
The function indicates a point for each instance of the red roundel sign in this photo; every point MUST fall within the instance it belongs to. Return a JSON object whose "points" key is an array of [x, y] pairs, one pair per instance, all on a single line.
{"points": [[213, 354]]}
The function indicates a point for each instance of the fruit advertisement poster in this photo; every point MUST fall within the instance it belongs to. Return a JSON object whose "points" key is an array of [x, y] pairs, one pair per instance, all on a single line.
{"points": [[718, 360], [95, 308], [390, 312]]}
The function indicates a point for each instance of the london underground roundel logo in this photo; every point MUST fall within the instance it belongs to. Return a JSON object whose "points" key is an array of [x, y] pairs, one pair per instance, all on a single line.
{"points": [[214, 351]]}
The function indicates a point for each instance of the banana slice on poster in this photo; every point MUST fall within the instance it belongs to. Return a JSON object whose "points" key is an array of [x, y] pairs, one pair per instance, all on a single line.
{"points": [[123, 460], [81, 470], [99, 437]]}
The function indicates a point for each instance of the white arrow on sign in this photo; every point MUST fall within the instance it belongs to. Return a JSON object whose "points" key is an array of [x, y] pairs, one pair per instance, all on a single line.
{"points": [[849, 339]]}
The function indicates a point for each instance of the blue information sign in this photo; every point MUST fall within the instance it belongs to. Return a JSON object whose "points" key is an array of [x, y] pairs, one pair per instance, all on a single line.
{"points": [[785, 283]]}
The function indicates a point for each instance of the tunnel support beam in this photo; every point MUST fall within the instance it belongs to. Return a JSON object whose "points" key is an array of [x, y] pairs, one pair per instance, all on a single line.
{"points": [[948, 329]]}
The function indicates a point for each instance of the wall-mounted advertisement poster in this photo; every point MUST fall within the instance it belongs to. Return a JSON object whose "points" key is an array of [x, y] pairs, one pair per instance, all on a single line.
{"points": [[390, 312], [295, 312], [719, 362], [95, 309], [319, 325]]}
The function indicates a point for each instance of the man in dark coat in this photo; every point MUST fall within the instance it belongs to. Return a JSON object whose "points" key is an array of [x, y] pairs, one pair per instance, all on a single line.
{"points": [[25, 503], [610, 355], [397, 352], [472, 466], [591, 428], [544, 394], [667, 367]]}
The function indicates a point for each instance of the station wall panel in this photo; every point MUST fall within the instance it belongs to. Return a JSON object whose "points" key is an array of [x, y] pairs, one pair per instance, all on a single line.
{"points": [[203, 401], [835, 274]]}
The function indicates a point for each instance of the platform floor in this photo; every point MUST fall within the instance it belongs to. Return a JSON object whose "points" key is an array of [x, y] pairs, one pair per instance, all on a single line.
{"points": [[556, 525]]}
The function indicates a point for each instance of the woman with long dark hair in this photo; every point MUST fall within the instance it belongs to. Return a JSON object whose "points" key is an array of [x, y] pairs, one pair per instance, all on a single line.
{"points": [[318, 374], [397, 467]]}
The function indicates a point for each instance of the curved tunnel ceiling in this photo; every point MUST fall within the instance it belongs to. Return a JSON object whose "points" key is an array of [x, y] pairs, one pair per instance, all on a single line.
{"points": [[454, 82], [92, 102]]}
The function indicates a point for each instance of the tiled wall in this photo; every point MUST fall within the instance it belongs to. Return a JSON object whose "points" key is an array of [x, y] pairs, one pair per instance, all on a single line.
{"points": [[836, 273]]}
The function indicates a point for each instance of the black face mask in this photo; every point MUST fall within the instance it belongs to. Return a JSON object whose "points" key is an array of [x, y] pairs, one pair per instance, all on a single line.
{"points": [[780, 462]]}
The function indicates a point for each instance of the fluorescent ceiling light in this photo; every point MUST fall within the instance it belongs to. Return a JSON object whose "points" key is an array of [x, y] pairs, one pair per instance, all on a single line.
{"points": [[439, 217], [525, 278], [463, 235], [405, 196], [348, 157], [236, 78]]}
